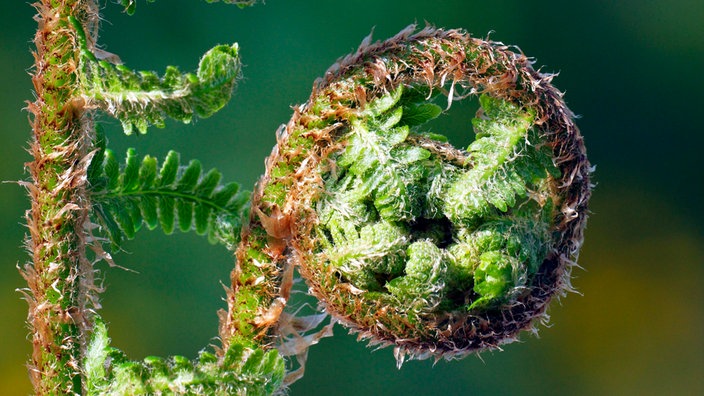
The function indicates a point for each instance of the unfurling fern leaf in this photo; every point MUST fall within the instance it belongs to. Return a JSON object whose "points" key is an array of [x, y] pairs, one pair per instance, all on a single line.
{"points": [[125, 198], [437, 250], [243, 369], [141, 98]]}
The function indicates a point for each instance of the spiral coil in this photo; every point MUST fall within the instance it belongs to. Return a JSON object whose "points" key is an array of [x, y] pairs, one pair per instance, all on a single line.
{"points": [[407, 240]]}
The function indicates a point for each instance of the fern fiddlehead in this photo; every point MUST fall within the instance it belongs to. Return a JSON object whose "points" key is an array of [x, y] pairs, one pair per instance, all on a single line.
{"points": [[439, 251], [406, 239]]}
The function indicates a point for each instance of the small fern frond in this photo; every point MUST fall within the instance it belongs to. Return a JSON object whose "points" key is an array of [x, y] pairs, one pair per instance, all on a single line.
{"points": [[139, 192], [409, 240], [242, 370], [504, 162], [141, 98], [380, 165]]}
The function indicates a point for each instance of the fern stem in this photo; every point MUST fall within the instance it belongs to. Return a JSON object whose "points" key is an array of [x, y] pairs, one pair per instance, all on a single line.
{"points": [[59, 280]]}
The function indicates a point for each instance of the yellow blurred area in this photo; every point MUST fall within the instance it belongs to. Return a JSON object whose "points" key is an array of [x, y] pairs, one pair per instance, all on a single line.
{"points": [[638, 327]]}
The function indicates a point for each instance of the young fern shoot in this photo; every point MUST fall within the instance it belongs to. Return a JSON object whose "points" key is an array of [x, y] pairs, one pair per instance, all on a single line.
{"points": [[436, 250]]}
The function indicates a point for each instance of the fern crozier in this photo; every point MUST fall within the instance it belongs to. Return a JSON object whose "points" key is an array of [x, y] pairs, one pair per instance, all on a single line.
{"points": [[436, 250]]}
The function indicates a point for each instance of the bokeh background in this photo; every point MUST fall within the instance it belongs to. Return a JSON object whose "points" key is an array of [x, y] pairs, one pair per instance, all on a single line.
{"points": [[631, 69]]}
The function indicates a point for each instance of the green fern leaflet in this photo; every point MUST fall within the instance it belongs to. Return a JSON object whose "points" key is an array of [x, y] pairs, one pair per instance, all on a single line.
{"points": [[140, 193]]}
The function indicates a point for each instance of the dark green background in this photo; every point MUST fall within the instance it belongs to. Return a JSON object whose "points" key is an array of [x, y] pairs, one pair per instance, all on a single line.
{"points": [[632, 69]]}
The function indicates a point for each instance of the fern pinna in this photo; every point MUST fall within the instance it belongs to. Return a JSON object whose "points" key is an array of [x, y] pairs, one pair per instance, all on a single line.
{"points": [[436, 250], [140, 193]]}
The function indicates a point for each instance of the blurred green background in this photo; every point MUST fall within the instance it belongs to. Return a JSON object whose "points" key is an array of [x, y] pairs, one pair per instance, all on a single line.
{"points": [[631, 69]]}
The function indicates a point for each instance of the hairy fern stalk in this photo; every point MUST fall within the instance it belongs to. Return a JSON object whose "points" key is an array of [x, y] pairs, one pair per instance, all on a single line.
{"points": [[81, 195], [436, 250]]}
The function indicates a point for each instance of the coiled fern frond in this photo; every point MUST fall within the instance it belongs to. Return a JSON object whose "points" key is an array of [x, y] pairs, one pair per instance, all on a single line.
{"points": [[242, 370], [412, 242]]}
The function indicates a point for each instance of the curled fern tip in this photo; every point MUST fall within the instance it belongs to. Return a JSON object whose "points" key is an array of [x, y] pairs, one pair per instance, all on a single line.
{"points": [[412, 242]]}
